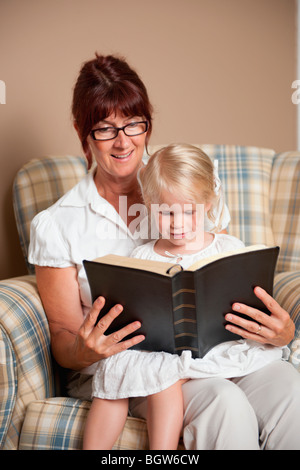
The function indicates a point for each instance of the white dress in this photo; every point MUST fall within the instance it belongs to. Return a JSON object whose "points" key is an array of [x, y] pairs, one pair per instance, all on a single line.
{"points": [[135, 373]]}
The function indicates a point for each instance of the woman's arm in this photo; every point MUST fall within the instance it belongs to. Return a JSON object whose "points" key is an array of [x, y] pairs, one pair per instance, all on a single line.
{"points": [[76, 342], [277, 329]]}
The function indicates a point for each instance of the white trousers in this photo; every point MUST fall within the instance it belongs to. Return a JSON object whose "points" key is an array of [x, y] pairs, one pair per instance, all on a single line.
{"points": [[257, 411]]}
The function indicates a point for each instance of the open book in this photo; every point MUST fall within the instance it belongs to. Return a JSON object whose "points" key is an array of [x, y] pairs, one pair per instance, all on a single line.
{"points": [[182, 309]]}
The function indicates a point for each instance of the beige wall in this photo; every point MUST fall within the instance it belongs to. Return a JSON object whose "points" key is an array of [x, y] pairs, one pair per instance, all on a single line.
{"points": [[217, 71]]}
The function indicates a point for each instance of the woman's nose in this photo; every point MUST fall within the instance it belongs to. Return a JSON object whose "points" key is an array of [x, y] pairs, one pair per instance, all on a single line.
{"points": [[122, 140]]}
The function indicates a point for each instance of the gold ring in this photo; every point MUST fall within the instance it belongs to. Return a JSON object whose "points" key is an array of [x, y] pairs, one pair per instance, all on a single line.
{"points": [[259, 328]]}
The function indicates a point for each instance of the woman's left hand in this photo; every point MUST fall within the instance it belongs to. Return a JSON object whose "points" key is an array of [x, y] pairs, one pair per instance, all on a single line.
{"points": [[277, 328]]}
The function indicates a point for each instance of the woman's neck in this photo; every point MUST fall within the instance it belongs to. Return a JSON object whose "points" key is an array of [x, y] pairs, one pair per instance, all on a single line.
{"points": [[112, 189], [108, 186]]}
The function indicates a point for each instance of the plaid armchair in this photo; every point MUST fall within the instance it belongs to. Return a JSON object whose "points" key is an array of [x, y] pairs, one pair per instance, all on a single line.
{"points": [[262, 192]]}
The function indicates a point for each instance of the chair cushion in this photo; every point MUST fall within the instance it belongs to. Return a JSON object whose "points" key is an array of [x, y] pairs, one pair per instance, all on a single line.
{"points": [[58, 424], [287, 294], [26, 372]]}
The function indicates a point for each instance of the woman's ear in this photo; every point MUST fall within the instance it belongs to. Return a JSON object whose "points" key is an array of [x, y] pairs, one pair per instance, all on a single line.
{"points": [[86, 147], [76, 128]]}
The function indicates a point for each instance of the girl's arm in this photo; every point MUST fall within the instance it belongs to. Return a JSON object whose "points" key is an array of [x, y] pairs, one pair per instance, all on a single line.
{"points": [[76, 342]]}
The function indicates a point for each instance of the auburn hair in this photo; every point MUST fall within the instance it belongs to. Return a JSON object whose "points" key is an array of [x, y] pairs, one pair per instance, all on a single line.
{"points": [[107, 85]]}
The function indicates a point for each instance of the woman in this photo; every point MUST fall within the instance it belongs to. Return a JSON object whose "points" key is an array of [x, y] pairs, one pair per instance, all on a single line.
{"points": [[113, 118]]}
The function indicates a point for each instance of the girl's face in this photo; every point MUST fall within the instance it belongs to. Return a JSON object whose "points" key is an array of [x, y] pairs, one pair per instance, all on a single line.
{"points": [[181, 223], [121, 156]]}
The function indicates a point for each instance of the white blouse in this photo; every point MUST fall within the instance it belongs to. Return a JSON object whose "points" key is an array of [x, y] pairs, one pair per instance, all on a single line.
{"points": [[83, 225]]}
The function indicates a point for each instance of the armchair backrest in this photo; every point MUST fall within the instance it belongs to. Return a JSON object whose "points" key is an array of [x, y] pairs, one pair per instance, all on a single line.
{"points": [[246, 174], [38, 185], [244, 171]]}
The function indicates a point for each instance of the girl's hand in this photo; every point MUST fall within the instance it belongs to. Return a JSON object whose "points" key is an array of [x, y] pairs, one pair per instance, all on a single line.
{"points": [[277, 329], [91, 341]]}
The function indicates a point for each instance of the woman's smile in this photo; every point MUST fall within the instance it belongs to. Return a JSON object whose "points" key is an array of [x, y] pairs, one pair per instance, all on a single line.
{"points": [[122, 156]]}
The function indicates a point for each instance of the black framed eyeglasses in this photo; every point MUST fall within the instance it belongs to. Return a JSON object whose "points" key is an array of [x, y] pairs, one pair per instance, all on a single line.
{"points": [[110, 132]]}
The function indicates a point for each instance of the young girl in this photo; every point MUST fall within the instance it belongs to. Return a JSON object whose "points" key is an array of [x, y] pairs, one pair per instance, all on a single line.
{"points": [[179, 184]]}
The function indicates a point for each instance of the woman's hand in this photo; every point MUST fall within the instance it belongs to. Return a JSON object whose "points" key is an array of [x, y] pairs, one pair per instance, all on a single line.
{"points": [[91, 342], [277, 329], [76, 341]]}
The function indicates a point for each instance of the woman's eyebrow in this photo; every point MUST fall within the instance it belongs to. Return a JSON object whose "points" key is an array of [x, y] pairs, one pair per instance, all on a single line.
{"points": [[105, 121]]}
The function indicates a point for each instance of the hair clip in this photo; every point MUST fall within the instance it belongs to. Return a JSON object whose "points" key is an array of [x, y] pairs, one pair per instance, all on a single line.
{"points": [[217, 180]]}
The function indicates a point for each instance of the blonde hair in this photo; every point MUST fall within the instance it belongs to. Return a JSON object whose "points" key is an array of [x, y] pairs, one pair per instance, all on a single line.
{"points": [[183, 170]]}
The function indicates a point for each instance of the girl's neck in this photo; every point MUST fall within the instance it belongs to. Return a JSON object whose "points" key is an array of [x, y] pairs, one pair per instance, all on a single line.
{"points": [[162, 245]]}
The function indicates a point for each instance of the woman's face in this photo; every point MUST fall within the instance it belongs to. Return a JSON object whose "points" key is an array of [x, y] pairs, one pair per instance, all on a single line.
{"points": [[120, 157]]}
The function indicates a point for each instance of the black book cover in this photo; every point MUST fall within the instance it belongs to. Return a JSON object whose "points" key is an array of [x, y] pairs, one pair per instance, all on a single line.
{"points": [[184, 311]]}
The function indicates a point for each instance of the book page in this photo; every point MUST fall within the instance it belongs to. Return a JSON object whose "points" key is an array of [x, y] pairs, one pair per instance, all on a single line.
{"points": [[159, 267], [210, 259]]}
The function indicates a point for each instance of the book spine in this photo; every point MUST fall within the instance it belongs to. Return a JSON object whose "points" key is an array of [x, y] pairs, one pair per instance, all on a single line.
{"points": [[184, 314]]}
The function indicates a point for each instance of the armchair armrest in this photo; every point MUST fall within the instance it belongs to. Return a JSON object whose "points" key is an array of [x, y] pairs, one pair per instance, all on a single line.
{"points": [[287, 294], [26, 364]]}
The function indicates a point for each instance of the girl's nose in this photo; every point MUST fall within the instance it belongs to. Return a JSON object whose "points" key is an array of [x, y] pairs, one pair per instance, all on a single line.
{"points": [[176, 220]]}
